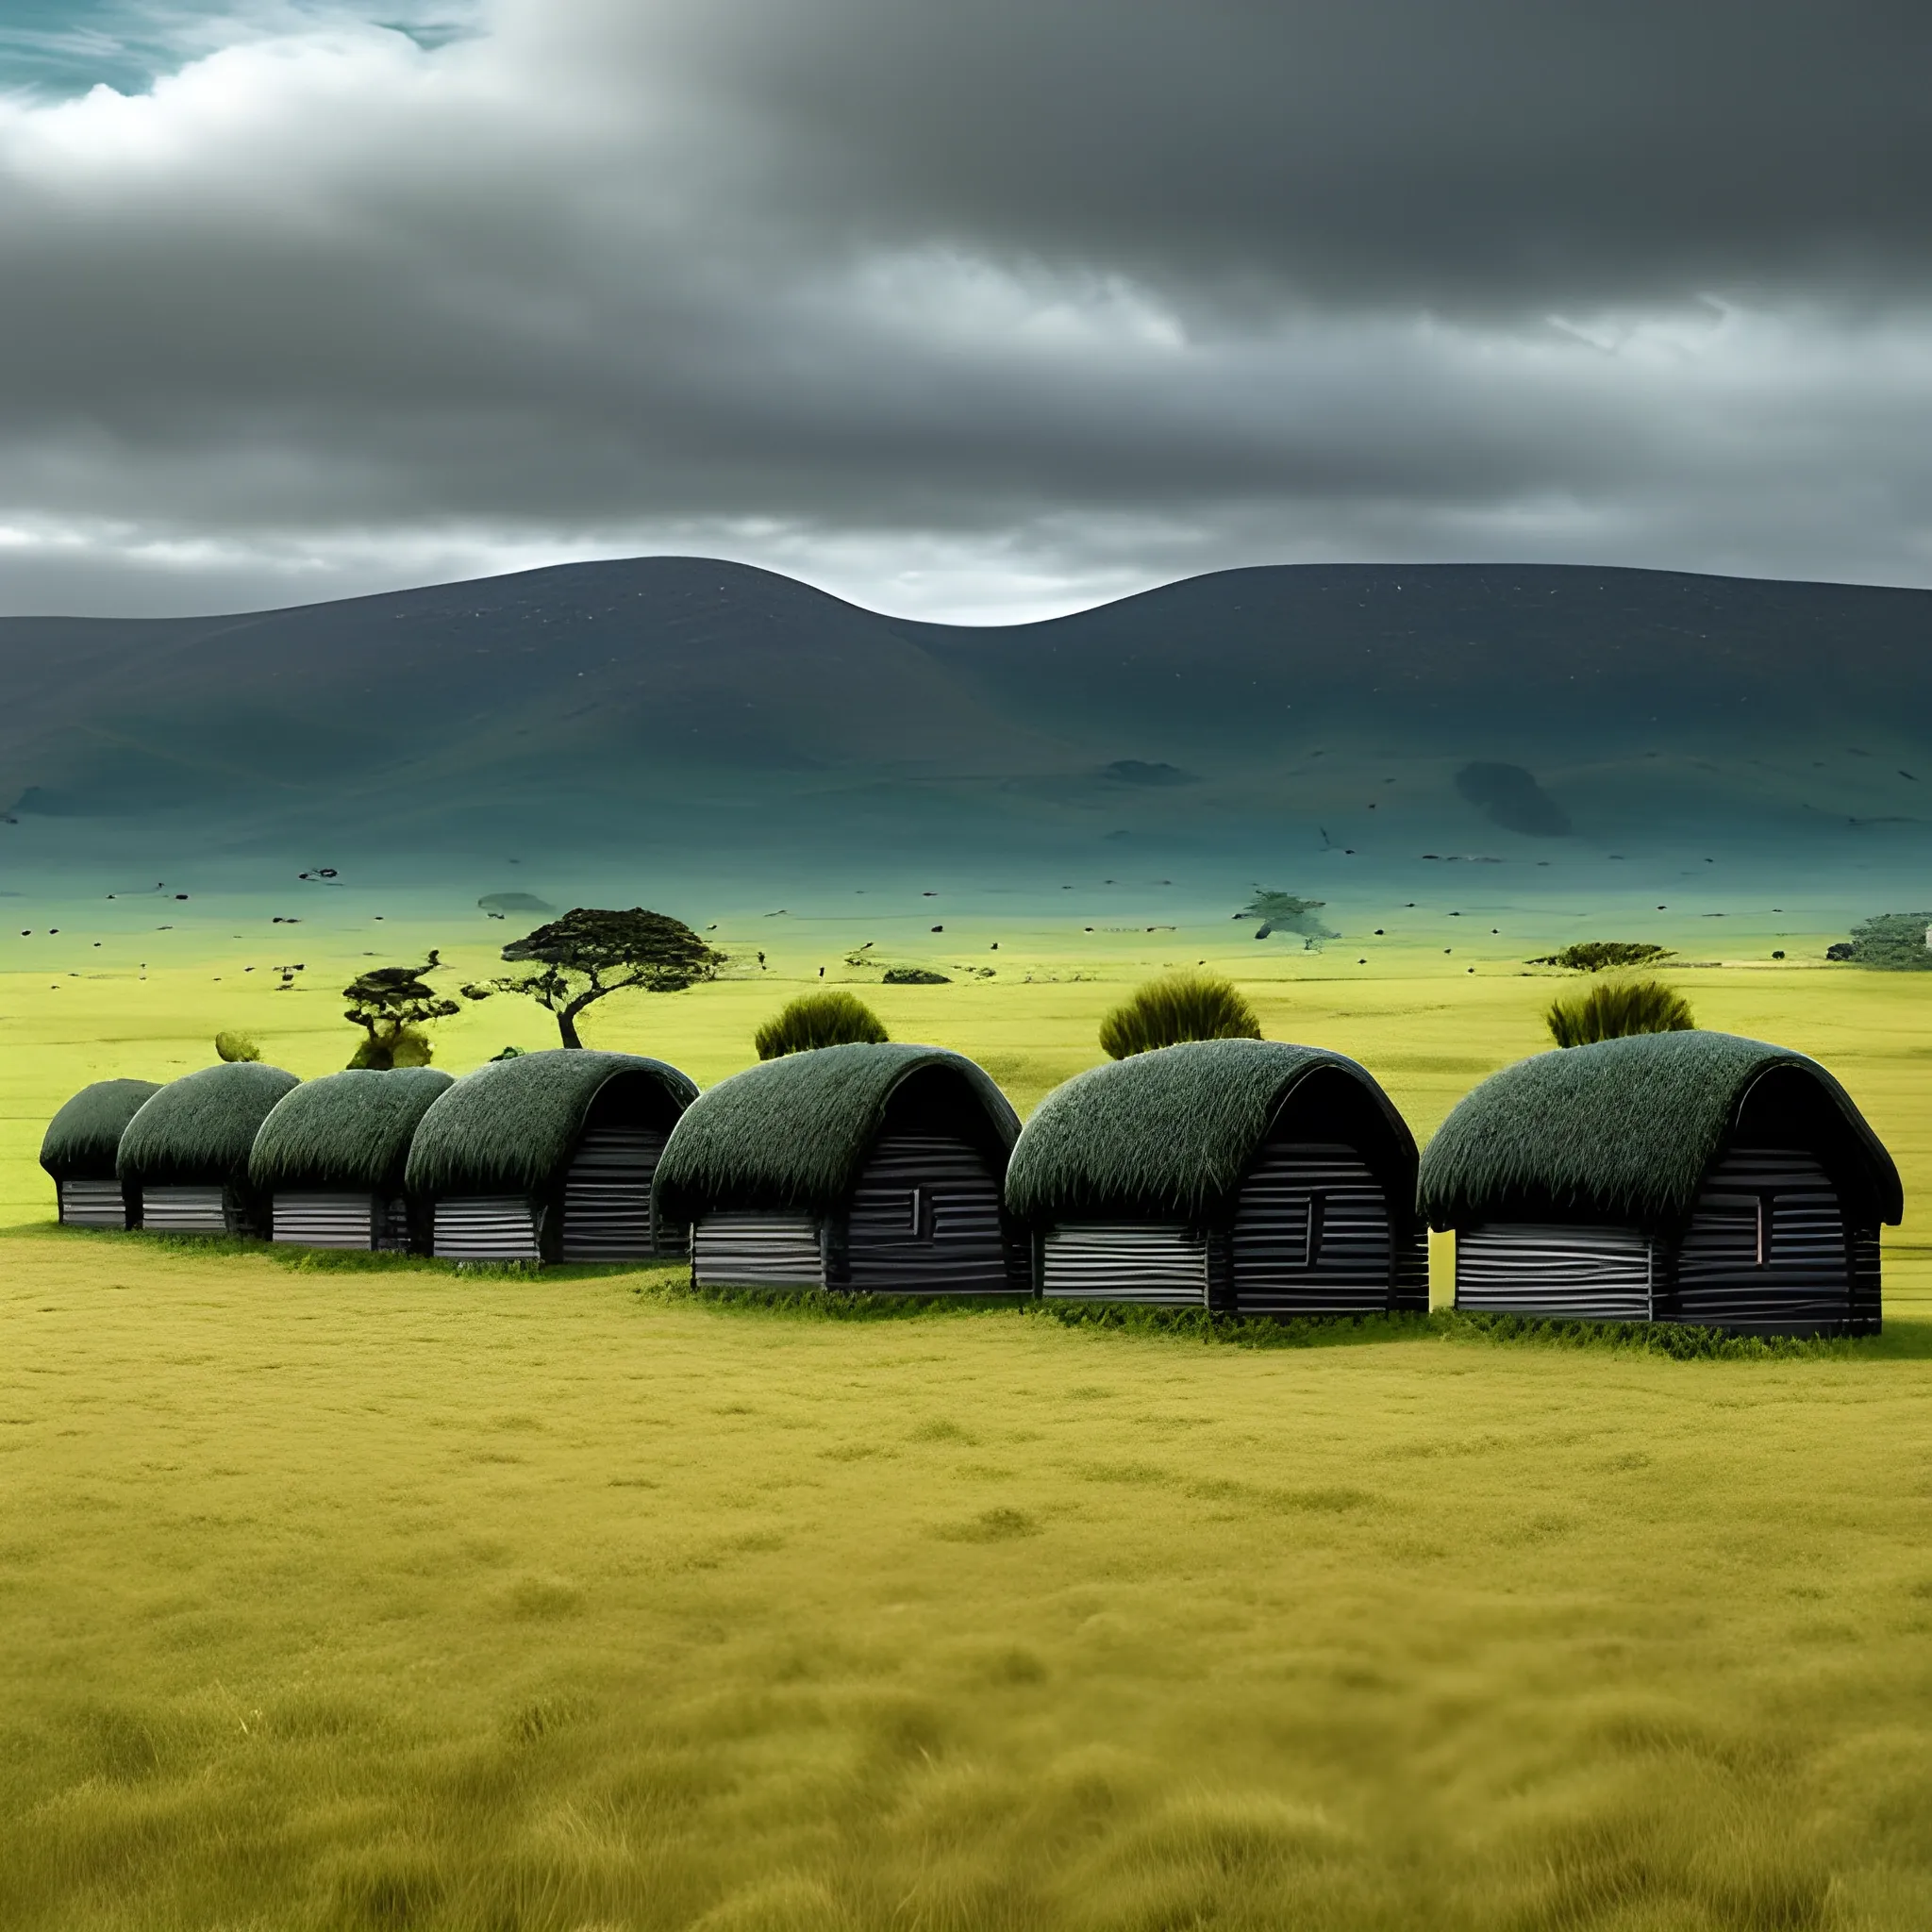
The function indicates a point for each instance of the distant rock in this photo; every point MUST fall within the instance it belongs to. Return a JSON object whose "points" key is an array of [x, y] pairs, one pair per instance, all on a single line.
{"points": [[513, 902]]}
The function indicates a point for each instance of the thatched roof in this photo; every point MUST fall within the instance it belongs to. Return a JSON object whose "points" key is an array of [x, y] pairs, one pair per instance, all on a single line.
{"points": [[349, 1131], [83, 1138], [510, 1127], [199, 1129], [1621, 1131], [1168, 1133], [792, 1135]]}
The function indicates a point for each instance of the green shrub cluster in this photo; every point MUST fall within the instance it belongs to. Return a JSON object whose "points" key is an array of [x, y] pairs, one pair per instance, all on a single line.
{"points": [[831, 1018], [1594, 956], [1616, 1011], [236, 1046], [1182, 1006]]}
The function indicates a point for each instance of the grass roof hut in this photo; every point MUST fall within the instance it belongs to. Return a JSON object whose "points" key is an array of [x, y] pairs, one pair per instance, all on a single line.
{"points": [[329, 1159], [1669, 1176], [549, 1156], [183, 1159], [79, 1147], [871, 1167], [1247, 1176]]}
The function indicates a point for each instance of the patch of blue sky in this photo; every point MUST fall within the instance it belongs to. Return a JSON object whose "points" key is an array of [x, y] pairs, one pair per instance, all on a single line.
{"points": [[52, 49]]}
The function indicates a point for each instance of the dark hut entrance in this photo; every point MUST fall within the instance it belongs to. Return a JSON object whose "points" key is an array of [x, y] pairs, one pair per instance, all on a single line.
{"points": [[1323, 1222], [1312, 1233], [924, 1216], [1782, 1235], [607, 1188]]}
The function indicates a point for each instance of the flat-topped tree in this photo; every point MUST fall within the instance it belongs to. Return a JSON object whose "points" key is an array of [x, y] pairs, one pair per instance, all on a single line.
{"points": [[590, 953], [392, 1005]]}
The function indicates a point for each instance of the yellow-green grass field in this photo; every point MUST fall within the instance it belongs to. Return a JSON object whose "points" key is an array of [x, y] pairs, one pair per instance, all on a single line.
{"points": [[376, 1595]]}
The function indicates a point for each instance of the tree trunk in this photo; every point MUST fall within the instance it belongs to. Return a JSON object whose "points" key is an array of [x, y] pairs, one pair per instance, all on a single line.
{"points": [[567, 1025]]}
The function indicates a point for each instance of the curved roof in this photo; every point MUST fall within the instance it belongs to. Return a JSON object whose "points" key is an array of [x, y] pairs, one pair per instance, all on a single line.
{"points": [[346, 1130], [1167, 1133], [1623, 1130], [509, 1126], [82, 1138], [791, 1134], [199, 1129]]}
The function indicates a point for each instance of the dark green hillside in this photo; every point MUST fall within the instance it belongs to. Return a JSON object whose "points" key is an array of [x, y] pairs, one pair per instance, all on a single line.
{"points": [[1380, 713]]}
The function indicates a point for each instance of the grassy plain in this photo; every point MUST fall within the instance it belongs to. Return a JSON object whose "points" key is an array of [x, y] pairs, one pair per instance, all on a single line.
{"points": [[383, 1597]]}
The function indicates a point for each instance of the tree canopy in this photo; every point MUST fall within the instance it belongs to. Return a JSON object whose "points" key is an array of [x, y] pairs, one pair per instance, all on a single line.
{"points": [[590, 953], [392, 1005]]}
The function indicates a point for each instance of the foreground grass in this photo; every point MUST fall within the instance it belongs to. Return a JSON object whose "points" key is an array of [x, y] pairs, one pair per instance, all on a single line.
{"points": [[383, 1597]]}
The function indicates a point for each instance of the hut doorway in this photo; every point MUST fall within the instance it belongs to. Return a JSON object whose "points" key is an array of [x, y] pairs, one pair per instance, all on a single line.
{"points": [[926, 1219], [1312, 1233], [1766, 1243], [607, 1188]]}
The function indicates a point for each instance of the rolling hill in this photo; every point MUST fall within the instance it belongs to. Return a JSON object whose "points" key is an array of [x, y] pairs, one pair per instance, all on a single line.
{"points": [[684, 712]]}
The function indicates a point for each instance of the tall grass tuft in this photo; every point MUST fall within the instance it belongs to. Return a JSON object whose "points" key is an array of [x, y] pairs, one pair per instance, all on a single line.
{"points": [[1182, 1006], [234, 1046], [832, 1018], [1615, 1010]]}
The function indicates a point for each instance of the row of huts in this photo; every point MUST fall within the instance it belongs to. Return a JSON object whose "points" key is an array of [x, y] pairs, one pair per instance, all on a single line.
{"points": [[1692, 1176]]}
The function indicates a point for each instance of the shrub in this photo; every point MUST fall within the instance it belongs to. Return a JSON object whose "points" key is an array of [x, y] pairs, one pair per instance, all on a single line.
{"points": [[915, 975], [236, 1046], [1617, 1010], [832, 1018], [407, 1046], [1593, 955], [1183, 1006]]}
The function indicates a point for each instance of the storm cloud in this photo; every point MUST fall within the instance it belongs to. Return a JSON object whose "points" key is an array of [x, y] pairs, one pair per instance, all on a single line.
{"points": [[968, 312]]}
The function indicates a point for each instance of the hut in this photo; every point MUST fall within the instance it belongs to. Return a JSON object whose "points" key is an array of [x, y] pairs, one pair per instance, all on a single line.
{"points": [[183, 1158], [864, 1167], [1687, 1177], [78, 1151], [549, 1156], [1245, 1175], [329, 1159]]}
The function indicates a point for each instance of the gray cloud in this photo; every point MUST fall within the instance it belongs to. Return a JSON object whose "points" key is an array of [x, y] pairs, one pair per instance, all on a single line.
{"points": [[966, 310]]}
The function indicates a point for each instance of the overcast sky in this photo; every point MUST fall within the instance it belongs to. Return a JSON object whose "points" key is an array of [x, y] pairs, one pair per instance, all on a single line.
{"points": [[976, 308]]}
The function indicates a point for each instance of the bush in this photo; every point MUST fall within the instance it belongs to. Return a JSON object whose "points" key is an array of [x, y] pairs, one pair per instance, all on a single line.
{"points": [[832, 1018], [1183, 1006], [915, 975], [1593, 955], [236, 1046], [1618, 1009]]}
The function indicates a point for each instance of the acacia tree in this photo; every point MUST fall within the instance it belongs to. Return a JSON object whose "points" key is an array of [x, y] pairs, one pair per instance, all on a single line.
{"points": [[392, 1005], [589, 953]]}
